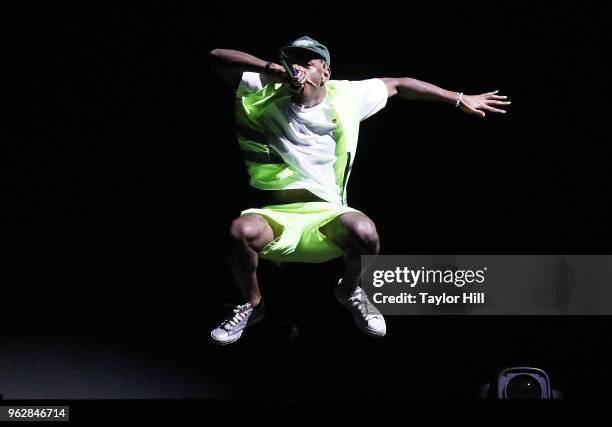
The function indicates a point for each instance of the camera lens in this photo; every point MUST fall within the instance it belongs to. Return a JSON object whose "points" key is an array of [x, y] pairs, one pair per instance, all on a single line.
{"points": [[523, 387]]}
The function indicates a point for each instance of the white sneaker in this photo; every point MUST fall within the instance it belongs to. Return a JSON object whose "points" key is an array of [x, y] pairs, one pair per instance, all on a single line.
{"points": [[367, 317], [230, 330]]}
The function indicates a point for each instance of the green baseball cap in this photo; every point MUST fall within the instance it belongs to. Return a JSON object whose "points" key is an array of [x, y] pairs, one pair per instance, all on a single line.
{"points": [[308, 44]]}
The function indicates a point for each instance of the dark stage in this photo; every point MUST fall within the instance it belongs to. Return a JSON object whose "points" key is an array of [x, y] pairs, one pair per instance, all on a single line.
{"points": [[124, 187]]}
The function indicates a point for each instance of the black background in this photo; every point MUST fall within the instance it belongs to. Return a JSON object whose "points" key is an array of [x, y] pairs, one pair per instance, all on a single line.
{"points": [[129, 175]]}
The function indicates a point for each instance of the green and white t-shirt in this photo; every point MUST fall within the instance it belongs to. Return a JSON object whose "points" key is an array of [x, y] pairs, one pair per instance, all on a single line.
{"points": [[303, 138]]}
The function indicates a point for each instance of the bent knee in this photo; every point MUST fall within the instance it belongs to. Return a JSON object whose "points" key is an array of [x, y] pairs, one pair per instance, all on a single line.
{"points": [[244, 228], [364, 231]]}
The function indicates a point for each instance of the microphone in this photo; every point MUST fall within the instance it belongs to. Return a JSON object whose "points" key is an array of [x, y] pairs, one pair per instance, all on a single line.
{"points": [[284, 60]]}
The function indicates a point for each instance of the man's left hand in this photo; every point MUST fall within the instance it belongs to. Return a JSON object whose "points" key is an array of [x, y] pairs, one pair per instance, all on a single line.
{"points": [[486, 102]]}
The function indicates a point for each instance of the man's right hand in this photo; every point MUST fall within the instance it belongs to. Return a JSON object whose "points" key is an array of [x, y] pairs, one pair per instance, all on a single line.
{"points": [[295, 83], [303, 80]]}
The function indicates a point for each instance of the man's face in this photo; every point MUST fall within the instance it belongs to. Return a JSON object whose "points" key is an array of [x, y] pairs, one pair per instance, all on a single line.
{"points": [[315, 69]]}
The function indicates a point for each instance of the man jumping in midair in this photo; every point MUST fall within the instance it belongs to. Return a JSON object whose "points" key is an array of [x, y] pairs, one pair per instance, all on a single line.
{"points": [[298, 135]]}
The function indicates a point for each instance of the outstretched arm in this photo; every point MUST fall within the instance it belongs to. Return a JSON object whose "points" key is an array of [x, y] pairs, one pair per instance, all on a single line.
{"points": [[230, 64], [409, 88]]}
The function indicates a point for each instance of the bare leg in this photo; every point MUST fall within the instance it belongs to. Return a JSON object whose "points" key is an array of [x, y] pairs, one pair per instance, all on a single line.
{"points": [[249, 234], [356, 234]]}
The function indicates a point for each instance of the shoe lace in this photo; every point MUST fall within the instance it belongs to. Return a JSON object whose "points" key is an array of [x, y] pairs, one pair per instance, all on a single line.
{"points": [[240, 312], [361, 302]]}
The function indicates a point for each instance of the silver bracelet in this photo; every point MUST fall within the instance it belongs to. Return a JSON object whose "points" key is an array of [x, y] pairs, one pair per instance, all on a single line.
{"points": [[459, 99]]}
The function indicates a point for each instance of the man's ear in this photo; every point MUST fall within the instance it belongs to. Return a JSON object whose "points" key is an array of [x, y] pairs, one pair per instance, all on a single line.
{"points": [[326, 73]]}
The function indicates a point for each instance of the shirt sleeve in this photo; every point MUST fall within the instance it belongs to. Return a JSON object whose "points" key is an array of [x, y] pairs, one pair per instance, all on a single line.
{"points": [[250, 82], [372, 95]]}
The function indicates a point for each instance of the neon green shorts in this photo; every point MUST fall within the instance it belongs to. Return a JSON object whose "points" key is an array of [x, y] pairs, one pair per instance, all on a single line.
{"points": [[296, 230]]}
